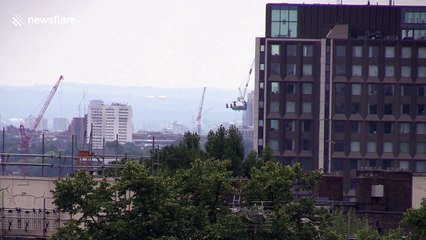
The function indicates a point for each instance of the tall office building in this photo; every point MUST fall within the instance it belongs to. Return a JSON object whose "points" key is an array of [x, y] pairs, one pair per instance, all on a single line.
{"points": [[60, 124], [341, 87], [109, 122]]}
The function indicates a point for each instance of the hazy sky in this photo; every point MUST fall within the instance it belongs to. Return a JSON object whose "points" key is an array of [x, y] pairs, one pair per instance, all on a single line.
{"points": [[159, 43]]}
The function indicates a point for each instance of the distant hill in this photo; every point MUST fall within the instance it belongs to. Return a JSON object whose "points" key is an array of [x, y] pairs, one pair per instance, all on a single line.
{"points": [[153, 108]]}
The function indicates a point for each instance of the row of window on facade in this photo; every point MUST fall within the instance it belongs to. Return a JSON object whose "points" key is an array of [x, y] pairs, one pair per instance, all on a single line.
{"points": [[374, 52], [290, 107], [418, 165], [374, 89], [372, 147], [291, 88], [357, 70], [356, 52], [289, 145], [374, 70], [374, 127], [387, 109]]}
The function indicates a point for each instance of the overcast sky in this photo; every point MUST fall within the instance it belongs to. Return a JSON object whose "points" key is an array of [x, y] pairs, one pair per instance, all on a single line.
{"points": [[158, 43]]}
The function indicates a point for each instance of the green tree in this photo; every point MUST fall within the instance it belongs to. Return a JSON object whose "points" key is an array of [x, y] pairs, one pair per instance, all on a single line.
{"points": [[250, 163], [224, 144], [416, 220], [205, 189], [267, 154], [189, 205], [173, 157], [286, 190]]}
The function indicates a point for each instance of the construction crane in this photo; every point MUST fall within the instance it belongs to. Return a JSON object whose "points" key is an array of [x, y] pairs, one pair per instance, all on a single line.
{"points": [[241, 103], [27, 136], [200, 112]]}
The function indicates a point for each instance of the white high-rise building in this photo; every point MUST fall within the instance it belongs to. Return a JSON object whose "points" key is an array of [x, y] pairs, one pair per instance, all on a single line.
{"points": [[109, 122]]}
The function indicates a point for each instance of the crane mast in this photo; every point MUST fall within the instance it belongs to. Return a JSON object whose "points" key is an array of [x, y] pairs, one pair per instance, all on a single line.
{"points": [[26, 137], [241, 103], [200, 112]]}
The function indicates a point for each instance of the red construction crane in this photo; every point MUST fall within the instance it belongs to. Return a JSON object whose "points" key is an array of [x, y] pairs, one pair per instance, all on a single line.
{"points": [[26, 137]]}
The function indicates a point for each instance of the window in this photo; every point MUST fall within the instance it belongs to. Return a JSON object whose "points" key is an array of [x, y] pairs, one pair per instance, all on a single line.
{"points": [[371, 147], [355, 146], [261, 85], [404, 165], [291, 69], [404, 128], [275, 87], [420, 166], [373, 51], [388, 147], [355, 127], [273, 144], [340, 88], [274, 125], [388, 90], [290, 107], [275, 50], [404, 147], [291, 88], [340, 51], [421, 72], [421, 109], [339, 126], [307, 88], [421, 90], [262, 66], [405, 109], [387, 109], [289, 144], [355, 108], [389, 71], [387, 127], [373, 89], [262, 48], [260, 123], [373, 71], [420, 128], [356, 89], [389, 52], [306, 126], [306, 145], [307, 69], [420, 147], [372, 127], [405, 90], [405, 71], [307, 107], [289, 126], [357, 51], [372, 108], [422, 52], [284, 21], [339, 146], [406, 52], [340, 69], [291, 50], [357, 70], [308, 50], [275, 69], [339, 108], [274, 107]]}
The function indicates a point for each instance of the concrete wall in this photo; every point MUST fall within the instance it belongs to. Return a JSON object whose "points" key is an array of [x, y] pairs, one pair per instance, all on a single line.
{"points": [[419, 190]]}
